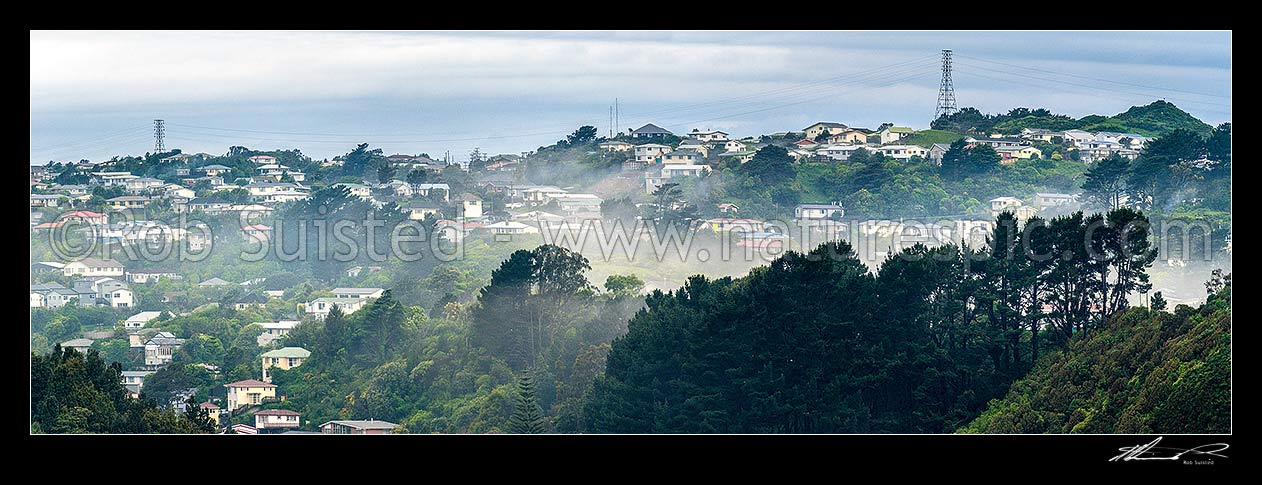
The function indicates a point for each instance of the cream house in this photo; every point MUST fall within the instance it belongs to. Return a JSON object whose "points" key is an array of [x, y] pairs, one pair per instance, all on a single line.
{"points": [[470, 206], [814, 131], [249, 392], [284, 358]]}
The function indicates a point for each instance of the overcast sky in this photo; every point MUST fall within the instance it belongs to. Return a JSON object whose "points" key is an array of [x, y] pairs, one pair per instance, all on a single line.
{"points": [[94, 94]]}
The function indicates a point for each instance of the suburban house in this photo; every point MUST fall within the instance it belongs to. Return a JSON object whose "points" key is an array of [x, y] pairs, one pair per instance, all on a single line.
{"points": [[273, 331], [418, 210], [147, 276], [263, 159], [682, 157], [283, 358], [276, 191], [1025, 212], [733, 146], [209, 205], [903, 152], [996, 143], [615, 146], [1019, 153], [470, 206], [578, 205], [53, 295], [1000, 204], [252, 300], [650, 152], [257, 233], [211, 410], [1039, 134], [707, 135], [46, 266], [160, 349], [46, 200], [358, 292], [650, 131], [320, 307], [85, 217], [134, 380], [371, 426], [698, 146], [814, 131], [1077, 137], [851, 135], [214, 170], [838, 152], [424, 190], [80, 344], [214, 282], [140, 319], [141, 184], [511, 228], [891, 134], [727, 224], [818, 211], [93, 267], [359, 190], [276, 420], [249, 392], [937, 151], [1044, 200], [653, 180]]}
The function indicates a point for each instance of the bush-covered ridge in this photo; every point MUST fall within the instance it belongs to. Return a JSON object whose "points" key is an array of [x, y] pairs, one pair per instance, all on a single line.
{"points": [[1147, 372]]}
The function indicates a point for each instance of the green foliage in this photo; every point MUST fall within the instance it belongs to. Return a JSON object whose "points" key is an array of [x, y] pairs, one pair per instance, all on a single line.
{"points": [[76, 393], [927, 138], [526, 418], [1147, 372]]}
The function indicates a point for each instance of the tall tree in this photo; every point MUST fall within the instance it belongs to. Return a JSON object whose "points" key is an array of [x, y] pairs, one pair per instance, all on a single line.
{"points": [[527, 417], [1105, 183]]}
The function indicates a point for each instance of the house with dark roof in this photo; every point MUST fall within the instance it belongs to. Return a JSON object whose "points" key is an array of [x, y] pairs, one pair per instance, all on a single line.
{"points": [[822, 127], [650, 131], [251, 300]]}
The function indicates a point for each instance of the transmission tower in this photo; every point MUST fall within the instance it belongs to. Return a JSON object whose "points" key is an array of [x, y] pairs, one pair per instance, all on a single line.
{"points": [[946, 91], [159, 133]]}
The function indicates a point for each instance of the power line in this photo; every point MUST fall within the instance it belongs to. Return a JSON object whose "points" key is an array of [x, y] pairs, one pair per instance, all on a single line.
{"points": [[1098, 79], [1060, 81]]}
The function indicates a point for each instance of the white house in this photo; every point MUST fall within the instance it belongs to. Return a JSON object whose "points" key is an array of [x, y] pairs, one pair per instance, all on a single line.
{"points": [[273, 331], [1000, 204], [891, 134], [93, 267], [616, 146], [814, 131], [818, 211], [511, 228], [838, 152], [358, 292], [903, 152], [707, 135], [320, 307], [650, 152], [682, 157], [140, 319], [1044, 200], [160, 349]]}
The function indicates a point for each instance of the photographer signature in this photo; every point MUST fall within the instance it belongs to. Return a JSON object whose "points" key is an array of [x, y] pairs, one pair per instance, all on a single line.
{"points": [[1151, 451]]}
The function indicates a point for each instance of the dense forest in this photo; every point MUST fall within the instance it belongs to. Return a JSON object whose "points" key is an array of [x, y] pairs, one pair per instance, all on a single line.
{"points": [[1148, 371], [1154, 119], [76, 393], [816, 343]]}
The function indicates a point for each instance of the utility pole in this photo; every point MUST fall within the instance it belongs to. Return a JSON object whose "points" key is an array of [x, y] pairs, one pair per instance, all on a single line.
{"points": [[946, 91], [159, 133]]}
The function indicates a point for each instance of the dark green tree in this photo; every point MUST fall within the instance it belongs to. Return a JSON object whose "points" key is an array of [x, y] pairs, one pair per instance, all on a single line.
{"points": [[527, 418]]}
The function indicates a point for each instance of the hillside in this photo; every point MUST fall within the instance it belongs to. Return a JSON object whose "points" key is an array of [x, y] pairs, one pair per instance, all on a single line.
{"points": [[927, 138], [1155, 119], [1147, 372]]}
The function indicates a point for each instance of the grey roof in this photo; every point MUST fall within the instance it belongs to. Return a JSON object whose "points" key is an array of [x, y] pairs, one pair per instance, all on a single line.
{"points": [[214, 282], [214, 167], [820, 206], [830, 124], [651, 129], [364, 424]]}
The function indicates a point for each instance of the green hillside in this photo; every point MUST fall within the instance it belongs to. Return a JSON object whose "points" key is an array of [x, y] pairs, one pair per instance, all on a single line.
{"points": [[1155, 119], [1147, 372], [927, 138]]}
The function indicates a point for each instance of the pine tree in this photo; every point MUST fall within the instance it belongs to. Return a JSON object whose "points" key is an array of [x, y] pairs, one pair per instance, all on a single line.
{"points": [[526, 418]]}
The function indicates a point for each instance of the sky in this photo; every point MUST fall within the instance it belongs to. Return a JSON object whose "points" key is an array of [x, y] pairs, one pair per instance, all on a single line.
{"points": [[94, 95]]}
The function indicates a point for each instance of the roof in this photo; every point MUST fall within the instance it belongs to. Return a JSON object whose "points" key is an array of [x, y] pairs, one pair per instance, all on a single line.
{"points": [[651, 129], [144, 316], [277, 412], [255, 298], [214, 282], [820, 206], [363, 424], [79, 342], [900, 129], [507, 225], [420, 204], [208, 405], [214, 167], [249, 383], [363, 291], [136, 373], [829, 124], [1052, 194], [294, 352], [99, 263], [82, 214]]}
